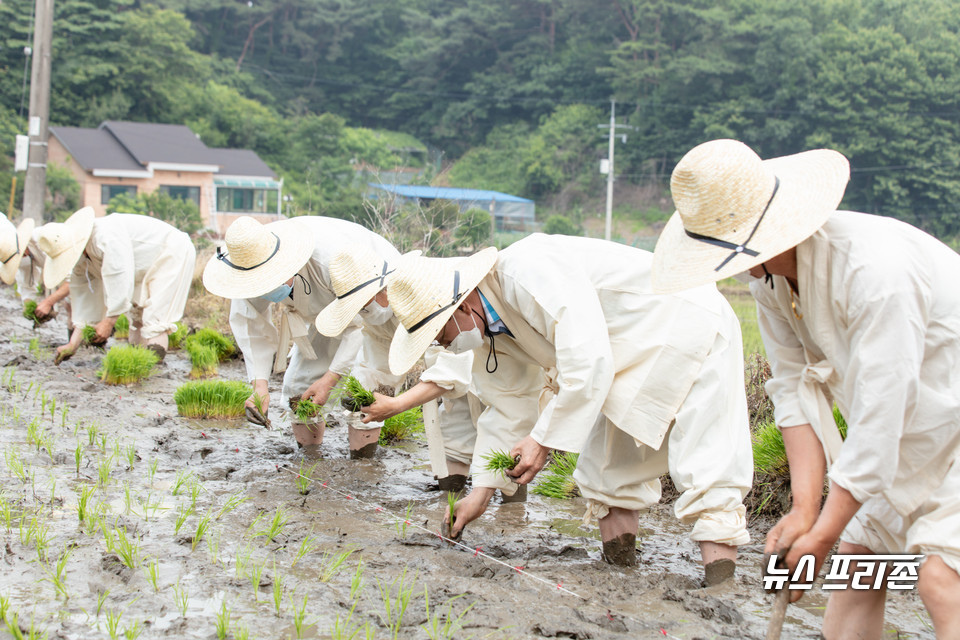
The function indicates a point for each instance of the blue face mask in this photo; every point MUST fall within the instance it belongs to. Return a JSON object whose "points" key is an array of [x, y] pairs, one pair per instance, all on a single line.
{"points": [[279, 294]]}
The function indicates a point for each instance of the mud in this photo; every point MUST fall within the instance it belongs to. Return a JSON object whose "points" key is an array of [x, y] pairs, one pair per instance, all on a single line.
{"points": [[621, 551], [384, 511]]}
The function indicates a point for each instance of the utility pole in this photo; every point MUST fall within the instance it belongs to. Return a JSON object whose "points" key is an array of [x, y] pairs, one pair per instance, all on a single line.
{"points": [[35, 185], [606, 165]]}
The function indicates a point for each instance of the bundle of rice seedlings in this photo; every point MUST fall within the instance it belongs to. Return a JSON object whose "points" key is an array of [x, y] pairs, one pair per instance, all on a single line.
{"points": [[305, 410], [557, 481], [30, 313], [212, 399], [499, 461], [402, 426], [90, 335], [223, 345], [771, 474], [204, 360], [841, 422], [176, 338], [355, 396], [127, 364], [121, 330]]}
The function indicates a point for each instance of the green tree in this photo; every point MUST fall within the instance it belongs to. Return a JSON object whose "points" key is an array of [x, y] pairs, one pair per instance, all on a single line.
{"points": [[182, 214]]}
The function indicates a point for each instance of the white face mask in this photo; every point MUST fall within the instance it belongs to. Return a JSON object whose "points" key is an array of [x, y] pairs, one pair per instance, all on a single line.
{"points": [[373, 314], [745, 277], [466, 340]]}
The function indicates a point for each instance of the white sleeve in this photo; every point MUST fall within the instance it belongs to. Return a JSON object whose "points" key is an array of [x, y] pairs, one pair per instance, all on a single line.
{"points": [[349, 349], [448, 370], [255, 334], [118, 271], [86, 297], [787, 360]]}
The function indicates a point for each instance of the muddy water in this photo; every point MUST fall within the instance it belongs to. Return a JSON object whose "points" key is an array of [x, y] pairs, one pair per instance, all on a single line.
{"points": [[102, 596]]}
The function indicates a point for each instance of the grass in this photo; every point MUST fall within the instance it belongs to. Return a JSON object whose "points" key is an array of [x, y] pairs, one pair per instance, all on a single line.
{"points": [[557, 481], [305, 410], [402, 426], [121, 329], [499, 461], [204, 361], [176, 338], [127, 364], [356, 395], [212, 399]]}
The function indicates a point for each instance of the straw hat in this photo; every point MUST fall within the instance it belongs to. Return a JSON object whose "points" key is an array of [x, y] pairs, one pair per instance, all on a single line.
{"points": [[735, 211], [424, 293], [357, 273], [257, 258], [13, 244], [63, 243]]}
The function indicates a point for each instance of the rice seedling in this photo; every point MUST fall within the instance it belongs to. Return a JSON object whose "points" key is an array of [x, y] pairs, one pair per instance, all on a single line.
{"points": [[127, 364], [176, 338], [356, 582], [121, 329], [148, 507], [152, 471], [499, 461], [841, 422], [203, 361], [35, 433], [30, 313], [38, 352], [182, 514], [241, 560], [6, 513], [402, 524], [305, 479], [182, 598], [41, 538], [53, 408], [299, 615], [306, 410], [104, 468], [212, 399], [92, 433], [280, 518], [277, 588], [232, 503], [402, 426], [355, 395], [126, 548], [256, 570], [63, 416], [89, 334], [395, 606], [195, 488], [345, 629], [202, 525], [178, 484], [127, 499], [331, 563], [557, 480], [113, 624], [57, 576], [78, 456], [15, 464], [133, 631], [221, 344], [131, 456], [152, 572], [241, 632], [213, 547], [101, 599], [444, 625], [223, 620], [769, 452], [307, 545], [4, 607]]}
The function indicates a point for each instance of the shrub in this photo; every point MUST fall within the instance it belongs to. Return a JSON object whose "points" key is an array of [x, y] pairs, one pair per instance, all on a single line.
{"points": [[560, 225], [212, 399], [557, 479], [127, 364]]}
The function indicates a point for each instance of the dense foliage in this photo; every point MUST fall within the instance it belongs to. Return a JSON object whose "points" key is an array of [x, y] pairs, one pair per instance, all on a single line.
{"points": [[515, 89]]}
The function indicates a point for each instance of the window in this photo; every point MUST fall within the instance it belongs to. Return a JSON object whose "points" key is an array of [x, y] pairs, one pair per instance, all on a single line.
{"points": [[246, 200], [183, 193], [109, 191]]}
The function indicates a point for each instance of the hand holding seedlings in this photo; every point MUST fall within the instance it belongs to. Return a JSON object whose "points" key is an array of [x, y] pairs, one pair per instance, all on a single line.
{"points": [[258, 404], [104, 329], [466, 511], [532, 458], [319, 391]]}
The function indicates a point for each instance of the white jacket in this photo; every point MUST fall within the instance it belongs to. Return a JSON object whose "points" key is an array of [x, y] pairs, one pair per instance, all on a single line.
{"points": [[584, 310], [253, 327], [880, 336]]}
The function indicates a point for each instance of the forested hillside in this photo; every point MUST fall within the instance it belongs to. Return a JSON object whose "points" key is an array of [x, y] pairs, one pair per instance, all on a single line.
{"points": [[510, 92]]}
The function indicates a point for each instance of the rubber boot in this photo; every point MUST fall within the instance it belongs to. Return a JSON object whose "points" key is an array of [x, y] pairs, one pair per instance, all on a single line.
{"points": [[363, 442]]}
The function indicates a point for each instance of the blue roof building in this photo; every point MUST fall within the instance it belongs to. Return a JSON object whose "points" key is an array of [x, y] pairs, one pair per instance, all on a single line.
{"points": [[508, 210]]}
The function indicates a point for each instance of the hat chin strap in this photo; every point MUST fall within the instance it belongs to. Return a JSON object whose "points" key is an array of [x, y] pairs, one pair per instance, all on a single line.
{"points": [[736, 248], [221, 256], [17, 251]]}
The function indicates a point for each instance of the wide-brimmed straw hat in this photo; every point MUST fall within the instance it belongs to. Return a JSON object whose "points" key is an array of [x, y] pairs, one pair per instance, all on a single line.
{"points": [[257, 258], [63, 243], [357, 273], [735, 211], [13, 244], [424, 293]]}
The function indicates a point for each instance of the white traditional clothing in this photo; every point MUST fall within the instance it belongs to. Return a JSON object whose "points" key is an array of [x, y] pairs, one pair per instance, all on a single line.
{"points": [[585, 322], [265, 348], [880, 337], [133, 261], [30, 272]]}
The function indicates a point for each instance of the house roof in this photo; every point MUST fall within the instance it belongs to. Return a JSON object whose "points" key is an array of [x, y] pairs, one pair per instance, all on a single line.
{"points": [[448, 193], [95, 149], [240, 162], [146, 142]]}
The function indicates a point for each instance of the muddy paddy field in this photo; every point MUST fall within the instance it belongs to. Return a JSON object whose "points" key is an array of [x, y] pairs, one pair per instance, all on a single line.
{"points": [[120, 519]]}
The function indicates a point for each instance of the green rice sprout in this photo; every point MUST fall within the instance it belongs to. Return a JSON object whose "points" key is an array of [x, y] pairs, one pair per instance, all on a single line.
{"points": [[133, 631], [444, 625], [280, 518], [152, 470], [223, 620], [395, 606], [499, 461], [182, 514], [241, 632], [89, 333], [219, 399], [299, 615], [101, 600], [15, 464], [221, 344], [307, 545], [203, 361], [37, 351], [213, 547], [306, 410], [103, 471], [277, 588], [402, 426], [402, 524], [232, 503], [331, 563], [557, 479], [127, 364], [121, 329], [30, 313], [57, 575], [202, 525], [195, 489], [183, 477], [131, 455], [841, 423], [113, 624], [176, 338], [305, 479], [356, 395], [152, 572], [769, 452], [256, 571], [126, 548], [242, 559], [356, 582], [182, 597], [63, 416]]}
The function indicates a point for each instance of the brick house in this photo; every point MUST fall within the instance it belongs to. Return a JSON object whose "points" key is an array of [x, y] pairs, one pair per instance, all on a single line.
{"points": [[136, 157]]}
